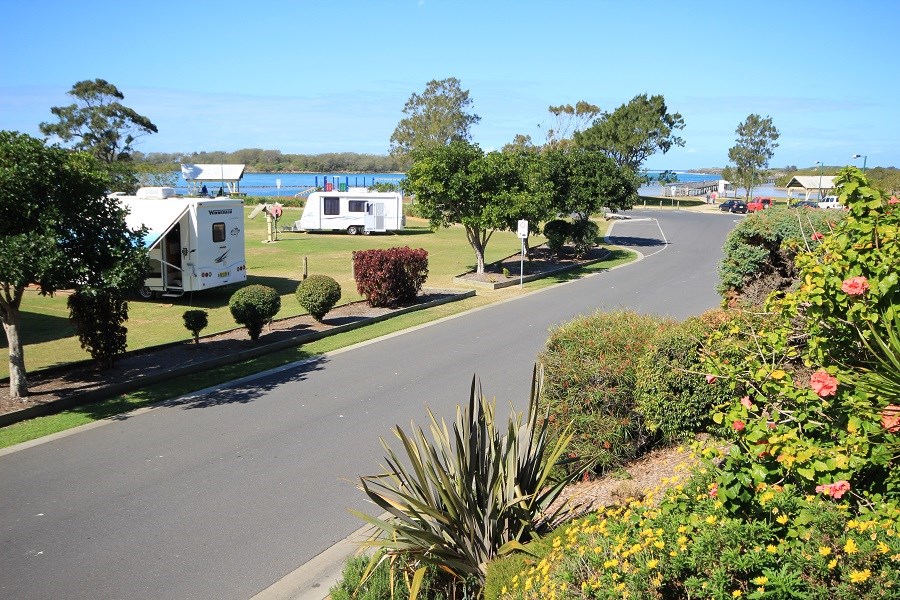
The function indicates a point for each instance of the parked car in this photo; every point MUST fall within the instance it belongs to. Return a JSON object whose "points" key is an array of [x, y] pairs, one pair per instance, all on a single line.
{"points": [[805, 204], [830, 202], [759, 204], [734, 206]]}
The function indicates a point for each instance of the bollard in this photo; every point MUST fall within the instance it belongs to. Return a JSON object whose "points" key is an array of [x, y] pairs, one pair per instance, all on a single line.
{"points": [[305, 268]]}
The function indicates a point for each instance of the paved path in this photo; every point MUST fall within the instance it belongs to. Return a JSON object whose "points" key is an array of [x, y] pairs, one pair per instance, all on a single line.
{"points": [[220, 496]]}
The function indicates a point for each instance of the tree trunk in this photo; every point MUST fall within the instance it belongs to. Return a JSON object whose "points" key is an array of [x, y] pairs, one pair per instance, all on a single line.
{"points": [[18, 384]]}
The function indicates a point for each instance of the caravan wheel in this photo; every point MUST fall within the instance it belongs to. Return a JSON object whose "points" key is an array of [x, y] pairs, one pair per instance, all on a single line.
{"points": [[354, 229], [146, 293]]}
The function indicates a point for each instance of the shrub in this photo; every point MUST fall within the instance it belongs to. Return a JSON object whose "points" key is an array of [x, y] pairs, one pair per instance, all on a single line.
{"points": [[457, 499], [253, 306], [584, 234], [318, 294], [195, 321], [589, 365], [557, 233], [672, 393], [98, 317], [822, 428], [690, 547], [390, 277], [759, 253]]}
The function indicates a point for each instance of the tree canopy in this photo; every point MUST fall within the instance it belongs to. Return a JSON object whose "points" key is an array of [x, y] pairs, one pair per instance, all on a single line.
{"points": [[634, 131], [58, 230], [584, 181], [755, 145], [97, 122], [435, 118]]}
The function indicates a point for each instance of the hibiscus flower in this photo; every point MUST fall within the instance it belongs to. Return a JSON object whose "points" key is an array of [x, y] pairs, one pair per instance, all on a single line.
{"points": [[855, 286], [823, 384]]}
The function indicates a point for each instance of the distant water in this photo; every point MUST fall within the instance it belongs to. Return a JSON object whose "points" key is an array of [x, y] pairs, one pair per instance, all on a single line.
{"points": [[266, 184]]}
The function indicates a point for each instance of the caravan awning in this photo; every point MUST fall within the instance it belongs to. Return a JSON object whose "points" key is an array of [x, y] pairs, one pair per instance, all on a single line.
{"points": [[158, 216]]}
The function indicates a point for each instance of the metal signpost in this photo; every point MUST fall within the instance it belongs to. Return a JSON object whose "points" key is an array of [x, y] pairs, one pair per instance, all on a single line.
{"points": [[523, 234]]}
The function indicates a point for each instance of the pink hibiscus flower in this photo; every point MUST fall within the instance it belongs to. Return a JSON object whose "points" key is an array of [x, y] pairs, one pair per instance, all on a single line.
{"points": [[823, 384], [894, 200], [855, 286], [711, 378], [817, 236], [745, 401], [738, 425]]}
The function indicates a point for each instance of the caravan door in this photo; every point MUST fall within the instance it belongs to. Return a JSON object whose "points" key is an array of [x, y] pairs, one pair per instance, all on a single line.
{"points": [[375, 216]]}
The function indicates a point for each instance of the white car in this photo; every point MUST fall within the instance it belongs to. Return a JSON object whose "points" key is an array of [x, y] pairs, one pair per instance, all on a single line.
{"points": [[830, 202]]}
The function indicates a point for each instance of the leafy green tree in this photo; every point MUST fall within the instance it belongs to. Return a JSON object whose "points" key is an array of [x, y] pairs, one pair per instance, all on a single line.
{"points": [[58, 230], [457, 184], [98, 122], [667, 177], [755, 145], [584, 181], [521, 185], [634, 131], [435, 118]]}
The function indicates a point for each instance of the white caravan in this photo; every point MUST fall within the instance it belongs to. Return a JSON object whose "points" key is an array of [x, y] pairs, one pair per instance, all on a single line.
{"points": [[354, 211], [193, 243]]}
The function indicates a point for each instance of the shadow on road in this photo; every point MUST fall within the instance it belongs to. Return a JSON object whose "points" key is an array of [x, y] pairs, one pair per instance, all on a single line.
{"points": [[251, 391], [640, 242]]}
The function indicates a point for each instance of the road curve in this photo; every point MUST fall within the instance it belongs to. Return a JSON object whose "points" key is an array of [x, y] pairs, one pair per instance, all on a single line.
{"points": [[219, 496]]}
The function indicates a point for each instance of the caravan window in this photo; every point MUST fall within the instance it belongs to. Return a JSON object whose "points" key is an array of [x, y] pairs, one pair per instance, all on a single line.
{"points": [[218, 231], [357, 206], [332, 206]]}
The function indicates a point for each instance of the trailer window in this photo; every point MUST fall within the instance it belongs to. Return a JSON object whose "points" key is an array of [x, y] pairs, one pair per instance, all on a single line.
{"points": [[357, 206], [218, 231], [332, 206]]}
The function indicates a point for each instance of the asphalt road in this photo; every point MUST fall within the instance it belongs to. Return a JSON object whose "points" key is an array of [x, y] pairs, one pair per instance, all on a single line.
{"points": [[220, 496]]}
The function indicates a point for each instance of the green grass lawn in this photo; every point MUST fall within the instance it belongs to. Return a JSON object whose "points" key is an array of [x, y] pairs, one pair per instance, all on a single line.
{"points": [[49, 338]]}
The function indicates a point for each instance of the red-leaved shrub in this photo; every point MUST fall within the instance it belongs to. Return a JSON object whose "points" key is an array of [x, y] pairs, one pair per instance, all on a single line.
{"points": [[392, 276]]}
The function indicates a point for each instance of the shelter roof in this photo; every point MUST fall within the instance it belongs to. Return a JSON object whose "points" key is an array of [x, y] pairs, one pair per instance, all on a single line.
{"points": [[811, 182], [219, 172]]}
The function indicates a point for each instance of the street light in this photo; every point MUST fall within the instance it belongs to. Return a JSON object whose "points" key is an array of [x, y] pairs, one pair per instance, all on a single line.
{"points": [[864, 157], [820, 179]]}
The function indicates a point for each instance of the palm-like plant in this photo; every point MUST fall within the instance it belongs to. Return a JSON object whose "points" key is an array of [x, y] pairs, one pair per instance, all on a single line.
{"points": [[458, 499]]}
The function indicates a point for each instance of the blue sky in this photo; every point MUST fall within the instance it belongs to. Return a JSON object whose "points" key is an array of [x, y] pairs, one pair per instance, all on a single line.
{"points": [[308, 76]]}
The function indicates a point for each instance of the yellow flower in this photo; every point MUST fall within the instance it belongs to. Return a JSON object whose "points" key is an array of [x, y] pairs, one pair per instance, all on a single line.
{"points": [[883, 548], [782, 519], [832, 563], [711, 519], [850, 547], [651, 564], [737, 594], [772, 549], [860, 576], [761, 580], [824, 550]]}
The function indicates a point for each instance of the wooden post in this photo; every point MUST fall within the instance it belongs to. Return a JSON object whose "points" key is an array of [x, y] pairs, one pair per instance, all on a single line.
{"points": [[305, 268]]}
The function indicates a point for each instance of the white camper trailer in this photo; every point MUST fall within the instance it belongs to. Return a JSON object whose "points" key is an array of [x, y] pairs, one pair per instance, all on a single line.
{"points": [[354, 211], [193, 243]]}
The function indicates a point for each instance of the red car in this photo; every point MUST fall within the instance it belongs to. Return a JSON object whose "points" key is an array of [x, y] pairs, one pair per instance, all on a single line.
{"points": [[759, 204]]}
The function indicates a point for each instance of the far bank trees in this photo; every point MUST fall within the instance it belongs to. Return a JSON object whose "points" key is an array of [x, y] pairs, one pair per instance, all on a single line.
{"points": [[58, 230]]}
